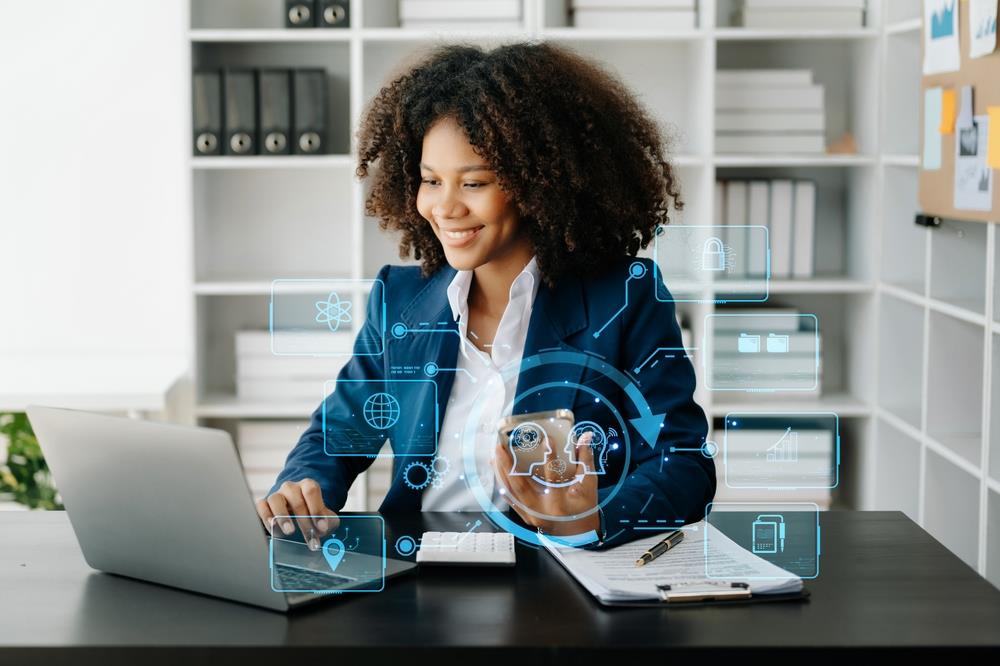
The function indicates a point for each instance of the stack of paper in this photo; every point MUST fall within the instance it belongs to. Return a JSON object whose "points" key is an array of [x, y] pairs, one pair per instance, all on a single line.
{"points": [[263, 375], [611, 575], [768, 111], [787, 208], [829, 14], [661, 15], [765, 349], [263, 447], [457, 15]]}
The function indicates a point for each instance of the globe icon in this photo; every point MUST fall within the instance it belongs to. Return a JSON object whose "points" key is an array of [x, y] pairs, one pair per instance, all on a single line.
{"points": [[381, 411]]}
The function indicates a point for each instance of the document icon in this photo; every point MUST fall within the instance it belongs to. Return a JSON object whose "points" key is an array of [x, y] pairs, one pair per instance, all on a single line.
{"points": [[777, 344], [748, 344]]}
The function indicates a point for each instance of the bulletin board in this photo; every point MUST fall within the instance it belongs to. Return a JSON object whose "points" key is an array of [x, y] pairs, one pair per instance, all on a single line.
{"points": [[937, 186]]}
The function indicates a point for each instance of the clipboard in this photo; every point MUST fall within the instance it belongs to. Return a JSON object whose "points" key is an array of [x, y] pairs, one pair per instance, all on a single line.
{"points": [[675, 596]]}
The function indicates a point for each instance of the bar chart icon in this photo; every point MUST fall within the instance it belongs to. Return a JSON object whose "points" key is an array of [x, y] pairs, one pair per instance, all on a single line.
{"points": [[786, 449]]}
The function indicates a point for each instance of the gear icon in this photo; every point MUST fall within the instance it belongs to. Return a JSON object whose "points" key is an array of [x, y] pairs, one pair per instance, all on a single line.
{"points": [[423, 473], [440, 466], [437, 482]]}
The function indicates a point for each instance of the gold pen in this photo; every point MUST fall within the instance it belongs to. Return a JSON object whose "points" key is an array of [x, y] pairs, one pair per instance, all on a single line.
{"points": [[672, 540]]}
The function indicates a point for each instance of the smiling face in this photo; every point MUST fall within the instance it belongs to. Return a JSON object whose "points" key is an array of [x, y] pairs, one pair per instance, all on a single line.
{"points": [[459, 196]]}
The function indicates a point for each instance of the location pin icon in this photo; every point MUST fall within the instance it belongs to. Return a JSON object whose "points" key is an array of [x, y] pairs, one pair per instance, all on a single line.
{"points": [[333, 558]]}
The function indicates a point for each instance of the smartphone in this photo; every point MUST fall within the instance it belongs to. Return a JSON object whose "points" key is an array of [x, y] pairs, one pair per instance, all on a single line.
{"points": [[538, 444]]}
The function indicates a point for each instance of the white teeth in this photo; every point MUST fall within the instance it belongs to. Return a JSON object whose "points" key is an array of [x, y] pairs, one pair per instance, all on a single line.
{"points": [[460, 234]]}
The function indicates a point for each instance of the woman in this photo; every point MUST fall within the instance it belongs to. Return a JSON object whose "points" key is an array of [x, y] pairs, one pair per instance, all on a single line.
{"points": [[524, 179]]}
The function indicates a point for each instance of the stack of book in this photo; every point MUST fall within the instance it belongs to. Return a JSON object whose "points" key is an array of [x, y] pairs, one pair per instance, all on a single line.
{"points": [[766, 349], [786, 207], [458, 15], [263, 447], [768, 111], [661, 15], [263, 376], [828, 14]]}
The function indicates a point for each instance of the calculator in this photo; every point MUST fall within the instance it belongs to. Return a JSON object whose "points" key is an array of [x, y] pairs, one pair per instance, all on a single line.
{"points": [[467, 548]]}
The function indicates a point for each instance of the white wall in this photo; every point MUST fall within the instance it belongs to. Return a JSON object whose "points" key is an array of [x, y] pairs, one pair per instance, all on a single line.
{"points": [[94, 193]]}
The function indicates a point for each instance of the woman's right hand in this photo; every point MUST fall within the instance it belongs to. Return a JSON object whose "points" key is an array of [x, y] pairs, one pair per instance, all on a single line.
{"points": [[298, 498]]}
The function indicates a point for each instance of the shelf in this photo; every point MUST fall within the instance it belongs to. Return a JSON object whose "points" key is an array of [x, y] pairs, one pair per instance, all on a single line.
{"points": [[414, 35], [899, 451], [993, 440], [841, 404], [951, 507], [231, 407], [818, 285], [760, 34], [957, 311], [955, 387], [757, 160], [900, 359], [270, 35], [902, 27], [993, 537], [901, 160], [251, 287], [586, 34], [273, 162]]}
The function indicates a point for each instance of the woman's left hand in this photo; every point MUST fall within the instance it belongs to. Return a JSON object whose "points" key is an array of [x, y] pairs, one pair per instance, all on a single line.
{"points": [[546, 502]]}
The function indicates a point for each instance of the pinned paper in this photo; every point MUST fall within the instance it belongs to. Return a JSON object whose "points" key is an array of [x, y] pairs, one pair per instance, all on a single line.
{"points": [[965, 107], [932, 122], [949, 102], [993, 142], [941, 49], [973, 179], [982, 27]]}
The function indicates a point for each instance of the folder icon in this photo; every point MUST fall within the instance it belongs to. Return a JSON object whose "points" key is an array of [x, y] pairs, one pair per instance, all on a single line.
{"points": [[777, 344], [748, 344]]}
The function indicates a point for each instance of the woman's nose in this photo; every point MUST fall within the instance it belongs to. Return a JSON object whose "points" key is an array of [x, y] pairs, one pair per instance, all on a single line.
{"points": [[449, 204]]}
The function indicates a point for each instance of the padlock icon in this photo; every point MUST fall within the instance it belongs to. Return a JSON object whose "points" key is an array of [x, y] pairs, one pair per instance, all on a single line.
{"points": [[713, 255]]}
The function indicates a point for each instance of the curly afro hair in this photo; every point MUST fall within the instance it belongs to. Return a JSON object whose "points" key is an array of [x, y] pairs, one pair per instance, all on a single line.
{"points": [[583, 160]]}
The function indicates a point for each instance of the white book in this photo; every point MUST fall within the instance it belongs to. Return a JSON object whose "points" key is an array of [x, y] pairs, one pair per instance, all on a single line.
{"points": [[633, 4], [290, 367], [269, 434], [778, 98], [457, 10], [808, 143], [666, 20], [433, 25], [736, 214], [781, 228], [804, 223], [308, 391], [258, 343], [757, 214], [763, 77], [769, 121], [804, 4], [756, 319], [828, 19]]}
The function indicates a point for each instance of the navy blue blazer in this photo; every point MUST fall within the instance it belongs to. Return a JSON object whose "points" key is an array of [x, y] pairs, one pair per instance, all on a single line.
{"points": [[658, 484]]}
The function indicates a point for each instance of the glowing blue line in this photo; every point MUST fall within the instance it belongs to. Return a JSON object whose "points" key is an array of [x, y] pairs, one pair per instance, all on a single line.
{"points": [[690, 529], [658, 350], [615, 534], [471, 376], [643, 509], [620, 310]]}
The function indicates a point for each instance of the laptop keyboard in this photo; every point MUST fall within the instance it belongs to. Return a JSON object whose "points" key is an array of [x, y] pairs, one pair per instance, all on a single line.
{"points": [[298, 578]]}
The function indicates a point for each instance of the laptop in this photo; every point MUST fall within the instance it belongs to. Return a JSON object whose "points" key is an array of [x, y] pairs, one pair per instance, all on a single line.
{"points": [[169, 504]]}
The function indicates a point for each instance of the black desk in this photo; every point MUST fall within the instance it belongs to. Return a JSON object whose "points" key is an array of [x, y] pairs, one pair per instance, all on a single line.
{"points": [[884, 582]]}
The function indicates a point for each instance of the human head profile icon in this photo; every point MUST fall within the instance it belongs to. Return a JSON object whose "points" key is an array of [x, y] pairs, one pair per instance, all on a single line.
{"points": [[529, 447], [587, 433]]}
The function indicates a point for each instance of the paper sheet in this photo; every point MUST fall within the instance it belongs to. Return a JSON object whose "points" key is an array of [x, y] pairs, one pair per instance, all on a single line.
{"points": [[611, 575], [973, 178], [982, 27], [932, 124], [949, 106], [941, 49]]}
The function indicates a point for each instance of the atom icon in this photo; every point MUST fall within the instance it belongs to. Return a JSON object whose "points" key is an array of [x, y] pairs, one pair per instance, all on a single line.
{"points": [[381, 411], [333, 311]]}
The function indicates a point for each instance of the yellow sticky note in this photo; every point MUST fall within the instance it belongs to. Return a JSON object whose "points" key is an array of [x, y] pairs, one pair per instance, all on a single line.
{"points": [[949, 103], [993, 141]]}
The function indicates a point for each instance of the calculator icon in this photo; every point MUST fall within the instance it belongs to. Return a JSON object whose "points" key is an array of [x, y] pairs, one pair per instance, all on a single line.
{"points": [[768, 534]]}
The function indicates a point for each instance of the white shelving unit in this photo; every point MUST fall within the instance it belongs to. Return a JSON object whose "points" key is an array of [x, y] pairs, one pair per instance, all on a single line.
{"points": [[894, 301]]}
